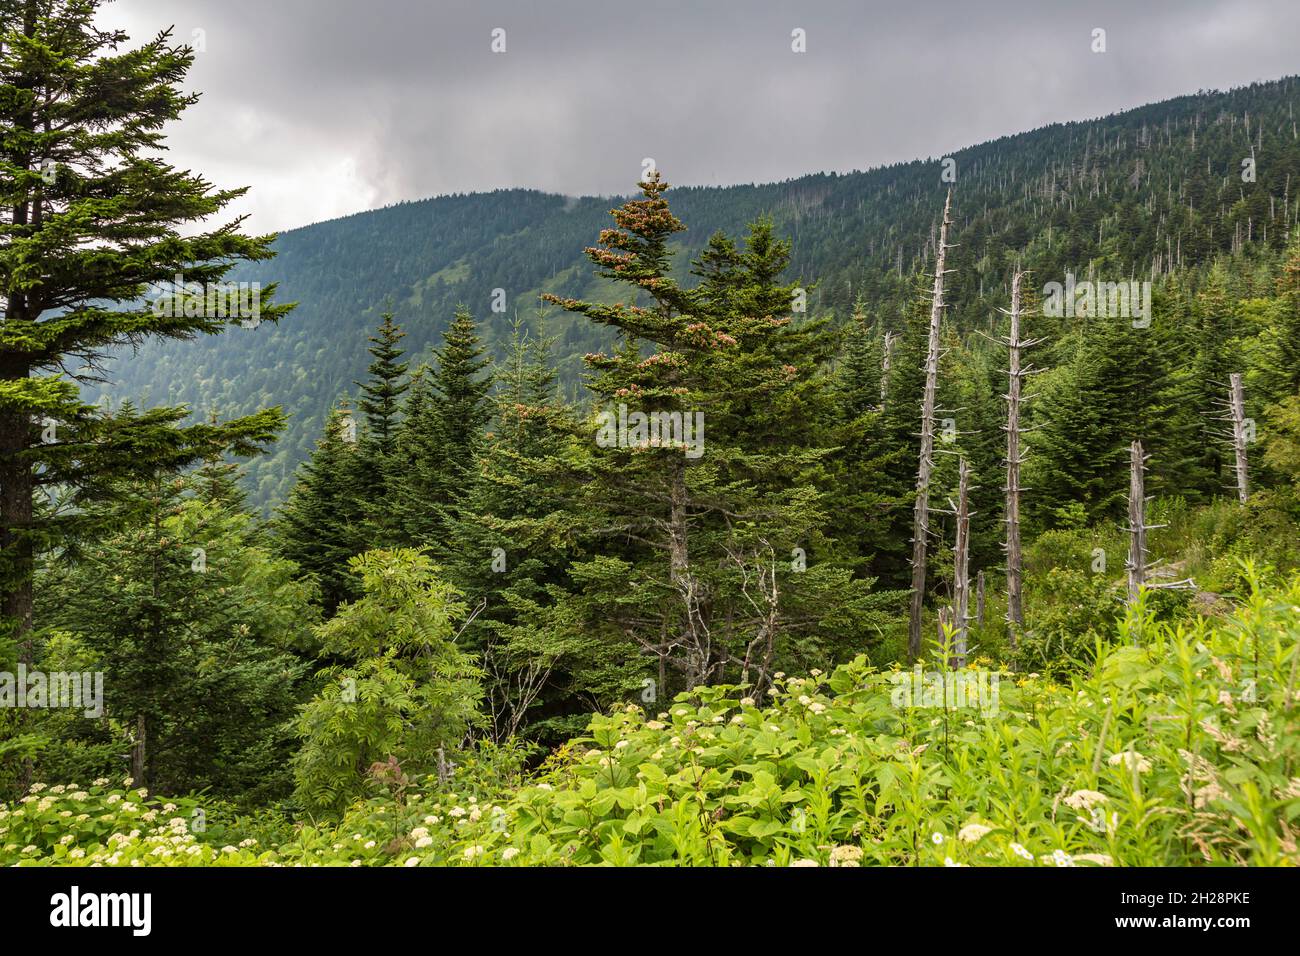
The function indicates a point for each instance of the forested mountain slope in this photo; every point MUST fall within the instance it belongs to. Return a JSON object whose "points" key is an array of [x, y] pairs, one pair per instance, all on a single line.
{"points": [[1137, 193]]}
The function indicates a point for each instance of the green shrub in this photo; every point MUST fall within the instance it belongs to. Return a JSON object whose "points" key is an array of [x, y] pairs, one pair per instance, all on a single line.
{"points": [[1178, 746], [1070, 612]]}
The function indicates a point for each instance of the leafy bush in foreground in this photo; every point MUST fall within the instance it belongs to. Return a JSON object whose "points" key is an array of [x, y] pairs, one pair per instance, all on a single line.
{"points": [[1180, 747]]}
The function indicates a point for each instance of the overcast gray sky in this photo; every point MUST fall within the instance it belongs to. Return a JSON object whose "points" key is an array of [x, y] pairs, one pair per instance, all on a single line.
{"points": [[326, 107]]}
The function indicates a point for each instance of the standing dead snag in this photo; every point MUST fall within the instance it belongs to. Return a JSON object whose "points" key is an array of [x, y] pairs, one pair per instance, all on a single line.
{"points": [[886, 361], [1137, 529], [1015, 373], [979, 599], [1237, 408], [921, 510], [961, 567]]}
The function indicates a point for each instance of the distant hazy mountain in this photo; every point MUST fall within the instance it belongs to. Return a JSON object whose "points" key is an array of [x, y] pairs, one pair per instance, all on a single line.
{"points": [[1153, 188]]}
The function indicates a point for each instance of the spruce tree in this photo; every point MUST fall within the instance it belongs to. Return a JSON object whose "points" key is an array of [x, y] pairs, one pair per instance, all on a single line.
{"points": [[1114, 388], [382, 392], [1278, 375], [716, 532], [515, 534], [322, 523], [1214, 341], [376, 466], [442, 433], [92, 219], [195, 624], [860, 469]]}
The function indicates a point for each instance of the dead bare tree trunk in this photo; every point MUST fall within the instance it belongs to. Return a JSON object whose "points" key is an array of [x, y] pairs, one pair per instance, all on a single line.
{"points": [[699, 658], [1237, 404], [961, 567], [979, 599], [921, 510], [1015, 457], [1137, 529]]}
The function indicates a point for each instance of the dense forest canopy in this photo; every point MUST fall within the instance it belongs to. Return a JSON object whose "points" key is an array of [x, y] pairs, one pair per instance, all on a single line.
{"points": [[942, 514], [1140, 193]]}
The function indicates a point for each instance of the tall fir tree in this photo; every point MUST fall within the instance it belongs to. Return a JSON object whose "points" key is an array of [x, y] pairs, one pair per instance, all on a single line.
{"points": [[381, 394], [713, 529], [92, 219], [442, 433], [1113, 388], [1278, 367], [198, 628], [322, 523], [376, 466], [860, 468]]}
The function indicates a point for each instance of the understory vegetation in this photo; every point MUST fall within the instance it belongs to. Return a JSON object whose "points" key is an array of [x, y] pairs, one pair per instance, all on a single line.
{"points": [[1178, 744]]}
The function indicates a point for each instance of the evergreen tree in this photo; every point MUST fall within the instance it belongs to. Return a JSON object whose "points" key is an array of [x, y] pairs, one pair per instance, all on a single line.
{"points": [[1278, 375], [515, 533], [382, 392], [442, 433], [92, 220], [860, 468], [899, 433], [1215, 347], [715, 532], [1114, 388], [376, 455], [195, 625], [322, 524]]}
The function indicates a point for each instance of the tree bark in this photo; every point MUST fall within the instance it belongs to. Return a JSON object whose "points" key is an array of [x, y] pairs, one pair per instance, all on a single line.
{"points": [[1015, 611], [961, 567], [16, 485], [921, 509], [1137, 548], [886, 363], [1237, 403], [698, 660]]}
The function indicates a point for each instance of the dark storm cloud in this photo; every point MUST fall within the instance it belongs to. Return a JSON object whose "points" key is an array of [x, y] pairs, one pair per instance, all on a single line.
{"points": [[330, 106]]}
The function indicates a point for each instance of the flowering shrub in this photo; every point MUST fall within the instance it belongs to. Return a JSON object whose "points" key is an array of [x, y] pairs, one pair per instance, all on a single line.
{"points": [[1178, 747], [67, 825]]}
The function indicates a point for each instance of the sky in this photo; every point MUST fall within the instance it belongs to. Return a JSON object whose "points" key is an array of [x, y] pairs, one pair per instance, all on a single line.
{"points": [[329, 107]]}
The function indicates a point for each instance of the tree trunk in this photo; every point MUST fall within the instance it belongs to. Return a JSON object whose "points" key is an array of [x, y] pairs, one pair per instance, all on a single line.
{"points": [[961, 572], [1137, 547], [1238, 407], [698, 657], [1015, 612], [886, 363], [921, 510]]}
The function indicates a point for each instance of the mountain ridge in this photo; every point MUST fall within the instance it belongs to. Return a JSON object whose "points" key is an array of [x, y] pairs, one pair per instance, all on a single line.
{"points": [[1143, 191]]}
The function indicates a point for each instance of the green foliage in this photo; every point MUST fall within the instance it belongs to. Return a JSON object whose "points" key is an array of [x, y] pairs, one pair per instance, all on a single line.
{"points": [[727, 536], [197, 627], [442, 434], [322, 524], [861, 236], [494, 548], [1070, 611], [406, 694], [1178, 750], [97, 217]]}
